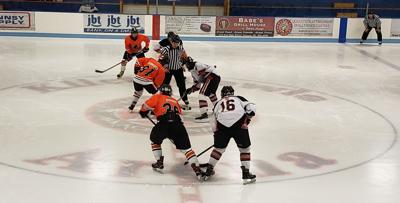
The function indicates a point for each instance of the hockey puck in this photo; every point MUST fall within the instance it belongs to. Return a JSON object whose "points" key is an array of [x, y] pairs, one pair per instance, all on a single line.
{"points": [[205, 27]]}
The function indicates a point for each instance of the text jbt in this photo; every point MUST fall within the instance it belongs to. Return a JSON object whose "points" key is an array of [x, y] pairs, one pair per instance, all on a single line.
{"points": [[113, 21]]}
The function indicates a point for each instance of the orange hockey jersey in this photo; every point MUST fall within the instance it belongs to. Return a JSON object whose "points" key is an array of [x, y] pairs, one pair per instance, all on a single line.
{"points": [[134, 46], [160, 104], [149, 71]]}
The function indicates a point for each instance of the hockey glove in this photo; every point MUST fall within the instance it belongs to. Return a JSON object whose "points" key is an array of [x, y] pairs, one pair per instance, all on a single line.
{"points": [[146, 49], [249, 116], [143, 114], [189, 91], [127, 56], [163, 60]]}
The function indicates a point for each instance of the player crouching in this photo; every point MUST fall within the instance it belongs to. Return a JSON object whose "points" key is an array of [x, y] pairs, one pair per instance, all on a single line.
{"points": [[167, 111], [206, 79], [149, 75], [232, 115]]}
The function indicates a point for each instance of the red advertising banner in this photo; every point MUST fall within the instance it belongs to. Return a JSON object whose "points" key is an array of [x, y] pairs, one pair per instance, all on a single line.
{"points": [[245, 26]]}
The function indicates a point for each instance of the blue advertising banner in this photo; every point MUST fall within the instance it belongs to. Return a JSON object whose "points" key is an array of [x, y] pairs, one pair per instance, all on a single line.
{"points": [[112, 23]]}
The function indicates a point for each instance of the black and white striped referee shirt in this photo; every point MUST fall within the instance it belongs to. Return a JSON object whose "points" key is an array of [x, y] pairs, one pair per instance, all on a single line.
{"points": [[374, 22], [174, 56]]}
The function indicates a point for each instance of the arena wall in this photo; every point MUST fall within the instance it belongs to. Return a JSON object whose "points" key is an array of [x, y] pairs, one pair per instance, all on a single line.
{"points": [[71, 25]]}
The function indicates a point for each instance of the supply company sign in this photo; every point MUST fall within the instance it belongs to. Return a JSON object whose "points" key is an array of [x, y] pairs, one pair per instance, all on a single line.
{"points": [[17, 21]]}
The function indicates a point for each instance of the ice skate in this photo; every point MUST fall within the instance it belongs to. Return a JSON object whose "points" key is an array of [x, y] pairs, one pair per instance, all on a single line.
{"points": [[186, 107], [247, 177], [159, 165], [199, 173], [209, 172], [120, 74]]}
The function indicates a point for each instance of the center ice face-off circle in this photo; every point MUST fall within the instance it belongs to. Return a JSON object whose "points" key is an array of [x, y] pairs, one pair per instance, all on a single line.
{"points": [[296, 133]]}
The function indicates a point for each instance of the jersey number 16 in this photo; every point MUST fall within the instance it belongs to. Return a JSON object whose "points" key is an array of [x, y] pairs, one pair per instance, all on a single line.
{"points": [[228, 105]]}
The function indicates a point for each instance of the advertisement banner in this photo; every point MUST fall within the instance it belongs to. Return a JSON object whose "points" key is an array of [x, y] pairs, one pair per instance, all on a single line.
{"points": [[17, 20], [304, 27], [200, 25], [112, 23], [395, 29], [245, 26]]}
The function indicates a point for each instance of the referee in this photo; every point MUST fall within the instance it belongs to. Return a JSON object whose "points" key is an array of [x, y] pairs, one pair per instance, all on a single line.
{"points": [[171, 58], [372, 21], [165, 42]]}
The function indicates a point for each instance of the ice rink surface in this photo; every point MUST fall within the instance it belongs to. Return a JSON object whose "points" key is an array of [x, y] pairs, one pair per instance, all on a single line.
{"points": [[326, 128]]}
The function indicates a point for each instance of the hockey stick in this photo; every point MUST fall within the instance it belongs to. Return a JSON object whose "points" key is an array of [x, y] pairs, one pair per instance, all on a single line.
{"points": [[151, 120], [102, 71], [366, 10], [186, 162], [184, 94]]}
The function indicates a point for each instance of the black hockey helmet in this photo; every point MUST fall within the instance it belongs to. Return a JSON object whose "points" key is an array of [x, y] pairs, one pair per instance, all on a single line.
{"points": [[227, 91], [170, 34], [190, 63], [175, 38], [166, 89], [134, 30]]}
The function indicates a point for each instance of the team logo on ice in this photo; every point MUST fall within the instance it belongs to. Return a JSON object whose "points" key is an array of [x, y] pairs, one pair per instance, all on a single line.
{"points": [[114, 114]]}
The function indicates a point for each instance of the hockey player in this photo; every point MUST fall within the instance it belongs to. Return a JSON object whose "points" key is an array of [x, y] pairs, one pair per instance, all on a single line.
{"points": [[372, 21], [169, 125], [171, 58], [149, 75], [165, 42], [232, 115], [206, 79], [133, 47]]}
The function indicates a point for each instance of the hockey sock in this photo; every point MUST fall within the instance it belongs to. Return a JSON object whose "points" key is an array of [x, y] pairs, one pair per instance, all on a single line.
{"points": [[123, 65], [213, 98], [215, 156], [190, 156], [123, 68], [136, 97], [245, 157], [157, 151], [203, 105]]}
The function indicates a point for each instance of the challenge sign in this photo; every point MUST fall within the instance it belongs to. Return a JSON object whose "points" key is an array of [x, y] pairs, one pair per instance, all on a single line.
{"points": [[112, 23], [304, 27], [17, 20]]}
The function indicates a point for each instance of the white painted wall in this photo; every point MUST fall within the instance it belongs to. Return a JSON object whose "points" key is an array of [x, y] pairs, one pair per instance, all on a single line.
{"points": [[69, 23], [355, 29]]}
